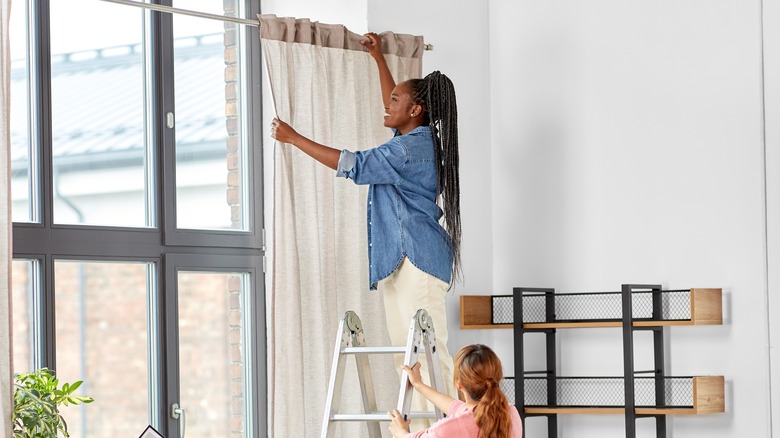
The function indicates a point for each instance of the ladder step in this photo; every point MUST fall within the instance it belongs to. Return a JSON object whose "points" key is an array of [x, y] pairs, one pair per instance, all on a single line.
{"points": [[374, 350], [377, 416]]}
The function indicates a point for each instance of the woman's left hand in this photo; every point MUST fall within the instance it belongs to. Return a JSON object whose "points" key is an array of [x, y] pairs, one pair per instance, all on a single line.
{"points": [[415, 378], [373, 43], [398, 427]]}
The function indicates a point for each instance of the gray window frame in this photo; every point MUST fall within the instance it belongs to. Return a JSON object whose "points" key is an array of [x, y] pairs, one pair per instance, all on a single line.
{"points": [[166, 246]]}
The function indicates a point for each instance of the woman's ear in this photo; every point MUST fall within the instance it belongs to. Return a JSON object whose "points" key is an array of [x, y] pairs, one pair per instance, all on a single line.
{"points": [[416, 110]]}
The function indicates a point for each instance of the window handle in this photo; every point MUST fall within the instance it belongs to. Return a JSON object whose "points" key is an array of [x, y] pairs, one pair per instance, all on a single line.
{"points": [[177, 413]]}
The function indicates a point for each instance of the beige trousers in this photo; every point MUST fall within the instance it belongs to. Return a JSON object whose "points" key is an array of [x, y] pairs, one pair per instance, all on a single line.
{"points": [[405, 291]]}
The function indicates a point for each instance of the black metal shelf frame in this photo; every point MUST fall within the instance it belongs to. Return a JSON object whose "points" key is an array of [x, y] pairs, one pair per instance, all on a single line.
{"points": [[653, 305]]}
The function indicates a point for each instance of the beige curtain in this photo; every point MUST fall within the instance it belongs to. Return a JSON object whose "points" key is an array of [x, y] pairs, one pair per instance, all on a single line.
{"points": [[326, 85], [6, 379]]}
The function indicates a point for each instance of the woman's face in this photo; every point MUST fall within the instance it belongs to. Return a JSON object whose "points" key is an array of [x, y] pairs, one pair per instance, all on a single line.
{"points": [[400, 112]]}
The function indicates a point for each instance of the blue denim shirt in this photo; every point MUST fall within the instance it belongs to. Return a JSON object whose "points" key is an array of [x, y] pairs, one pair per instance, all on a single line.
{"points": [[403, 218]]}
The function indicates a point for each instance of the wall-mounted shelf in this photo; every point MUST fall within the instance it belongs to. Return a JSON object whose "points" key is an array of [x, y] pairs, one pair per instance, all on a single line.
{"points": [[636, 394], [698, 306], [694, 395]]}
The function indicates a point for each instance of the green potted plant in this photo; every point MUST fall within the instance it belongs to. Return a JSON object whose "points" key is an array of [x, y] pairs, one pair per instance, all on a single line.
{"points": [[37, 401]]}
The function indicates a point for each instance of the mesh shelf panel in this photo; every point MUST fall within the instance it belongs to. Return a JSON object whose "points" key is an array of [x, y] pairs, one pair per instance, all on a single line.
{"points": [[507, 385], [596, 306], [602, 392], [503, 313]]}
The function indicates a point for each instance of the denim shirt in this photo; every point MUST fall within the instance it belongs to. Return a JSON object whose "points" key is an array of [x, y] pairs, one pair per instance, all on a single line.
{"points": [[403, 218]]}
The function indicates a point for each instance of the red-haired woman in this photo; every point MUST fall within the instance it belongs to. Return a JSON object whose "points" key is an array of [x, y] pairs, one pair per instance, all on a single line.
{"points": [[485, 413]]}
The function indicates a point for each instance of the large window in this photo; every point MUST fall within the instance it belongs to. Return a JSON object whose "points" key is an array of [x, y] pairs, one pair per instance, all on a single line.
{"points": [[137, 209]]}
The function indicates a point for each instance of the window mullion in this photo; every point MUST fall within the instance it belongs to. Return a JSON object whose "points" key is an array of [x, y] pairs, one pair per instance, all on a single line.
{"points": [[40, 111]]}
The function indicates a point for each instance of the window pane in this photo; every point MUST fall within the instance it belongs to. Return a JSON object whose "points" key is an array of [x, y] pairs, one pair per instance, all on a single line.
{"points": [[24, 273], [209, 153], [20, 120], [98, 121], [213, 348], [216, 7], [102, 339]]}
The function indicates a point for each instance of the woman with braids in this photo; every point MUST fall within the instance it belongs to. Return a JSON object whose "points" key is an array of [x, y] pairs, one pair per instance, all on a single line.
{"points": [[413, 258], [485, 411]]}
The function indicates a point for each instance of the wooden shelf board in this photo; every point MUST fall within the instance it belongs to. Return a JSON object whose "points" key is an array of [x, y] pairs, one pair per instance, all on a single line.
{"points": [[476, 311], [562, 325], [602, 324], [707, 306], [613, 411], [709, 394], [486, 326], [575, 410]]}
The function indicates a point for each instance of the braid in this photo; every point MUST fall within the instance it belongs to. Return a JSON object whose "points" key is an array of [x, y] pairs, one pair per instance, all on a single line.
{"points": [[436, 94]]}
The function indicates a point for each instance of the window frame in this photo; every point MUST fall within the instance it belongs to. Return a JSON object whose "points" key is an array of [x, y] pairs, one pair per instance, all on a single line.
{"points": [[164, 245], [175, 263]]}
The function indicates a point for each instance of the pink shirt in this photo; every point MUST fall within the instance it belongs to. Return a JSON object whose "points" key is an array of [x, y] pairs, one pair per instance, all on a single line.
{"points": [[460, 424]]}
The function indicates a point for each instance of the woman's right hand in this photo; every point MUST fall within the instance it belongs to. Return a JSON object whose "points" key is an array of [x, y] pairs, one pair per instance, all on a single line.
{"points": [[283, 132], [373, 43], [398, 426]]}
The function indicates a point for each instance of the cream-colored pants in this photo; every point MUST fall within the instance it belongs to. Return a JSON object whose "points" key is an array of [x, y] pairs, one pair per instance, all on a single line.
{"points": [[405, 291]]}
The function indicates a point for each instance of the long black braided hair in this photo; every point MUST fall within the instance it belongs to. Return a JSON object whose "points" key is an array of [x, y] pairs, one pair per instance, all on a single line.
{"points": [[436, 94]]}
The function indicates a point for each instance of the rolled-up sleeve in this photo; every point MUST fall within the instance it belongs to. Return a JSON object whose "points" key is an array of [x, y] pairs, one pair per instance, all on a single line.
{"points": [[379, 165], [346, 163]]}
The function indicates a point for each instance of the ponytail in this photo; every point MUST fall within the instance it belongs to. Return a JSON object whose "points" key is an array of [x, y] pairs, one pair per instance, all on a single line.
{"points": [[479, 370], [436, 94], [492, 414]]}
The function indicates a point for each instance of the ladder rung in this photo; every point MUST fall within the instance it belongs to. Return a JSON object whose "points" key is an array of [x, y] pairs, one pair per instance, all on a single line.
{"points": [[365, 350], [421, 415], [374, 416], [378, 416]]}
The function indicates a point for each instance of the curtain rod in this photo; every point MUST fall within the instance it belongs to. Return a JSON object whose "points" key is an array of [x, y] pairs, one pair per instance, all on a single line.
{"points": [[172, 10]]}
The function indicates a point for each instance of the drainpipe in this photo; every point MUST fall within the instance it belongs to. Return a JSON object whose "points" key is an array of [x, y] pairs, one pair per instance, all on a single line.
{"points": [[81, 281]]}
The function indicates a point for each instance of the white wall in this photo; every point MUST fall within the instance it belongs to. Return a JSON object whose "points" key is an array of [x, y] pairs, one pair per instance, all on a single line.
{"points": [[350, 13], [627, 148], [609, 142]]}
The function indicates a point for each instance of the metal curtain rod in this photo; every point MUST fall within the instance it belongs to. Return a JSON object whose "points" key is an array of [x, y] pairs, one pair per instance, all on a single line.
{"points": [[172, 10]]}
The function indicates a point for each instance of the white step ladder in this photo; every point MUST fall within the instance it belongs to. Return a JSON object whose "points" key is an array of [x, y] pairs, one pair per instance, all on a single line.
{"points": [[350, 340]]}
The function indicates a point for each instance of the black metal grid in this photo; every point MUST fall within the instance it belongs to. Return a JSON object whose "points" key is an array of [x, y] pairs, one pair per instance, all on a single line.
{"points": [[594, 307], [603, 392]]}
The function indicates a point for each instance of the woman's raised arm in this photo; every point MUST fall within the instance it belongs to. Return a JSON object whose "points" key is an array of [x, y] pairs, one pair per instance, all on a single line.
{"points": [[373, 43]]}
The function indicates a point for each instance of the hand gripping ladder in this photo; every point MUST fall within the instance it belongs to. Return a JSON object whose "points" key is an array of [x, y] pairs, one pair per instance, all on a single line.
{"points": [[350, 340]]}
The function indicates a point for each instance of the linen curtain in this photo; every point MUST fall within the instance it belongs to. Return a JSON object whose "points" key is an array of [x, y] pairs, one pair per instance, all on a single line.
{"points": [[6, 379], [326, 85]]}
